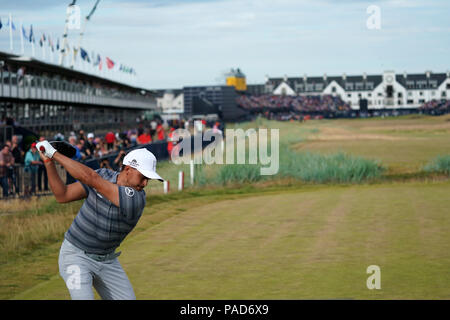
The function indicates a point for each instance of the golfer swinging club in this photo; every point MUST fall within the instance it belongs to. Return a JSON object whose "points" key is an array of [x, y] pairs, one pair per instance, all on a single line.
{"points": [[114, 203]]}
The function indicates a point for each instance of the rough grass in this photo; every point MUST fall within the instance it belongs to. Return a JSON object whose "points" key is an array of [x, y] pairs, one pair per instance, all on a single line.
{"points": [[440, 164]]}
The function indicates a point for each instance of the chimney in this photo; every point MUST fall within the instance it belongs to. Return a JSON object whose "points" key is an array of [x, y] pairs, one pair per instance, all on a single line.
{"points": [[285, 78], [428, 73], [364, 76], [305, 77], [324, 77], [344, 76], [405, 75], [267, 78]]}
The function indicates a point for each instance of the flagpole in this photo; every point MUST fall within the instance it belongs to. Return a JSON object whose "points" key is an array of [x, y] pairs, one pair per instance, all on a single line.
{"points": [[10, 33], [21, 37]]}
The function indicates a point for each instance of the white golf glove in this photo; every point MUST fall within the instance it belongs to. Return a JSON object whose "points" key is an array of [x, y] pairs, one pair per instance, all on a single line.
{"points": [[46, 148]]}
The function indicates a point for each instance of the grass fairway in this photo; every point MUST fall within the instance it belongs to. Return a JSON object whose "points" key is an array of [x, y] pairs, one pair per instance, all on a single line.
{"points": [[312, 242]]}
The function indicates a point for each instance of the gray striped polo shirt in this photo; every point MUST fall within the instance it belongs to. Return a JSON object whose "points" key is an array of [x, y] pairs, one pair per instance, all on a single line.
{"points": [[100, 226]]}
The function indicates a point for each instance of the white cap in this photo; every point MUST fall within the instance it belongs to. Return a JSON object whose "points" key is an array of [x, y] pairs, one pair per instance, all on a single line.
{"points": [[143, 161], [90, 135]]}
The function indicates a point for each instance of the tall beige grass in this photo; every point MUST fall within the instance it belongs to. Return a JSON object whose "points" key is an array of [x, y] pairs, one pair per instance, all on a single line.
{"points": [[26, 225]]}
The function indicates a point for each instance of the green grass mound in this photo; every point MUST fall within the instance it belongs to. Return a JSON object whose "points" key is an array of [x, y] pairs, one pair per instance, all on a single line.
{"points": [[440, 164], [337, 168]]}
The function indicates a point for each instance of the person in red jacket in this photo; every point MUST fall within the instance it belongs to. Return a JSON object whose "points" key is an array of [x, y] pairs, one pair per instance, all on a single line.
{"points": [[110, 138], [170, 142], [145, 137], [160, 131]]}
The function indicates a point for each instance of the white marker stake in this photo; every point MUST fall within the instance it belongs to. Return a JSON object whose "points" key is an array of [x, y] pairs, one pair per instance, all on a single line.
{"points": [[180, 180], [166, 187], [192, 172]]}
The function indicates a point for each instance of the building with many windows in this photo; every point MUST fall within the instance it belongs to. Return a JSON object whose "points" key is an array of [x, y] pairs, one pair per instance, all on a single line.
{"points": [[389, 90]]}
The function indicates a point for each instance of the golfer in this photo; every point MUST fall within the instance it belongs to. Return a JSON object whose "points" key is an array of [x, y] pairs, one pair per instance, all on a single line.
{"points": [[114, 203]]}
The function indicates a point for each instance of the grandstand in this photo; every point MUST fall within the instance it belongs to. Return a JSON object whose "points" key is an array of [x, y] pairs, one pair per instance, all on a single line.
{"points": [[46, 98]]}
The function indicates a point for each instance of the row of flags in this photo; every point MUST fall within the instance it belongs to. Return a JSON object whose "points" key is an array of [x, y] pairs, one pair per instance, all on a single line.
{"points": [[96, 60]]}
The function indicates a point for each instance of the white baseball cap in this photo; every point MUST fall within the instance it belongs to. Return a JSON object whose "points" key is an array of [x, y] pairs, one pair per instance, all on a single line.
{"points": [[143, 161], [90, 135]]}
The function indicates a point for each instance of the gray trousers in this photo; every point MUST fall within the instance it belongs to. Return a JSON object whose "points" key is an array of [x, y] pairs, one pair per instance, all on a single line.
{"points": [[81, 273]]}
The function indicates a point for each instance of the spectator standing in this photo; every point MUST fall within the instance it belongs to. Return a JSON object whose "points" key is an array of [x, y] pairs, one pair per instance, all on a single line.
{"points": [[110, 138], [6, 161], [32, 161], [170, 142], [160, 131], [18, 155], [89, 145]]}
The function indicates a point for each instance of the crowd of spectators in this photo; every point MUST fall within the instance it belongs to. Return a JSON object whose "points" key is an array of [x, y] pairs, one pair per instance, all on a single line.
{"points": [[436, 106], [318, 103], [88, 146]]}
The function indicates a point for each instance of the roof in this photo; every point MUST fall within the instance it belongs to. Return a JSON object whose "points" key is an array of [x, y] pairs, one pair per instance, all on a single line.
{"points": [[64, 71], [353, 82]]}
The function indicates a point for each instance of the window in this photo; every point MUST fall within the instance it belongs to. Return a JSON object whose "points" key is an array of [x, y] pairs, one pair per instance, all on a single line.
{"points": [[380, 94], [349, 86], [410, 84], [421, 100], [409, 94], [349, 95], [400, 95], [333, 89], [369, 85], [433, 83], [410, 101], [399, 102], [319, 86], [421, 84], [433, 93], [448, 86], [359, 95], [443, 94], [369, 94], [359, 86], [421, 93]]}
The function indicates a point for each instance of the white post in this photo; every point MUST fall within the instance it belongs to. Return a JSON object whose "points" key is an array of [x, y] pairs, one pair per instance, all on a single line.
{"points": [[192, 172], [10, 33], [21, 38], [166, 187], [32, 47], [180, 180]]}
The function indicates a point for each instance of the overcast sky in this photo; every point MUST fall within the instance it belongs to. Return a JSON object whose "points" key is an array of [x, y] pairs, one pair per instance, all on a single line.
{"points": [[175, 43]]}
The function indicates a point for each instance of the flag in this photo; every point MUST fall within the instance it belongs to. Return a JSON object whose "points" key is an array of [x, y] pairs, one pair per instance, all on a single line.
{"points": [[31, 38], [84, 55], [100, 64], [12, 24], [50, 43], [1, 25], [97, 61], [109, 63], [24, 33], [57, 44]]}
